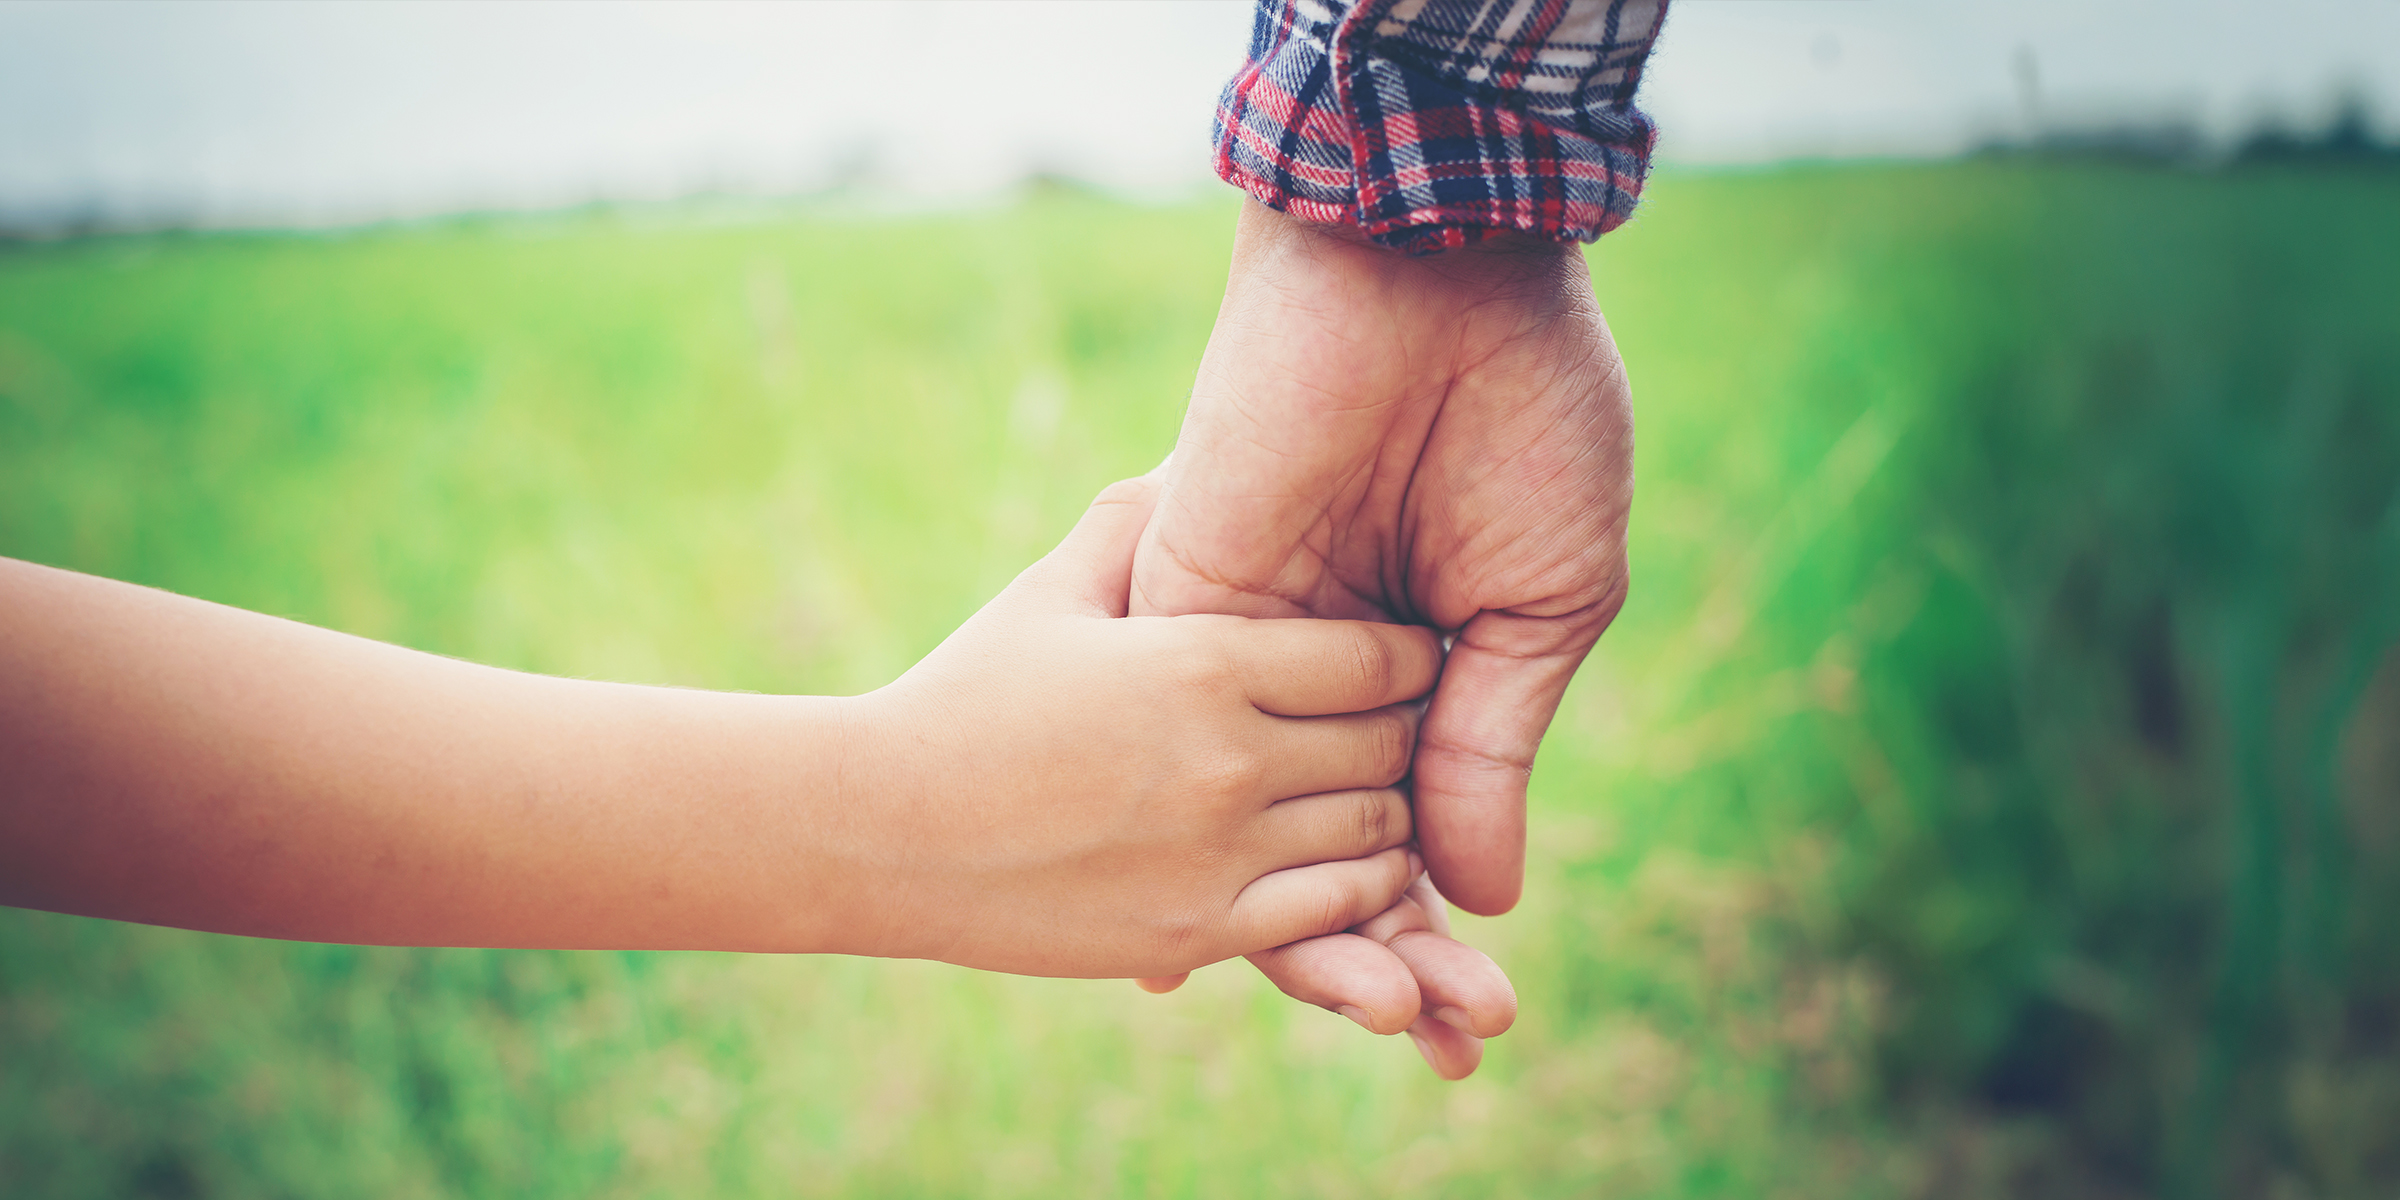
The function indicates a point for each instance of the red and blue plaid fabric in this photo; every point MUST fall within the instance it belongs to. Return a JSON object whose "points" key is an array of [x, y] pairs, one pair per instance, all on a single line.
{"points": [[1431, 123]]}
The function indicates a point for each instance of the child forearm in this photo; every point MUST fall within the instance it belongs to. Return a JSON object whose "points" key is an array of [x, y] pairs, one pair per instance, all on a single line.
{"points": [[177, 762]]}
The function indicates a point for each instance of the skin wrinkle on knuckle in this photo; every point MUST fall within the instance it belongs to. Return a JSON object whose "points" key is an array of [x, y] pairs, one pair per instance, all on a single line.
{"points": [[1571, 633], [1395, 742], [1338, 907], [1374, 662], [1522, 767], [1561, 642], [1374, 822]]}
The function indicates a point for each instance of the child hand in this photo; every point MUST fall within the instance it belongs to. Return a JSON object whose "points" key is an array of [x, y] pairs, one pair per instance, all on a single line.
{"points": [[1060, 790]]}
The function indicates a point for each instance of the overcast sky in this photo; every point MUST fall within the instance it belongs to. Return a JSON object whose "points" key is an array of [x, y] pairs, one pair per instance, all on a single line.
{"points": [[285, 113]]}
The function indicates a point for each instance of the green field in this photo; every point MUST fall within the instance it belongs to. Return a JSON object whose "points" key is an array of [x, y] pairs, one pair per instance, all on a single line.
{"points": [[1992, 787]]}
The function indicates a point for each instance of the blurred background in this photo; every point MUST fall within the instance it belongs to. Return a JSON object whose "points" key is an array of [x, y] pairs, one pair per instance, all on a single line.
{"points": [[1991, 789]]}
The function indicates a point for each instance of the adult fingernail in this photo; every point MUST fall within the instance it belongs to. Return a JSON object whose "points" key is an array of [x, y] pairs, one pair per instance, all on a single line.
{"points": [[1425, 1048], [1416, 864], [1357, 1014], [1454, 1017]]}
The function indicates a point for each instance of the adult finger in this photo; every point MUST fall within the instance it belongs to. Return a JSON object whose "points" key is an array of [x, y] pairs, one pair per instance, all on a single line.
{"points": [[1377, 986], [1307, 755], [1458, 983], [1348, 974], [1428, 900], [1304, 667], [1301, 902], [1453, 1053], [1091, 570], [1455, 981], [1332, 826], [1499, 689]]}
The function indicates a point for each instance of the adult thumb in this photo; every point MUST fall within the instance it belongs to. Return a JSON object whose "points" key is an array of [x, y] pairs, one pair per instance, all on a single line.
{"points": [[1501, 684], [1092, 569]]}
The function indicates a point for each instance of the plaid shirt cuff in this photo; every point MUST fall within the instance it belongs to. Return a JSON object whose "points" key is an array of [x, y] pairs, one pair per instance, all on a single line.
{"points": [[1432, 123]]}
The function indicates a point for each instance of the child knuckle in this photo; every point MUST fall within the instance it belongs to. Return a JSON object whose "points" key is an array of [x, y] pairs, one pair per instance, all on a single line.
{"points": [[1374, 663], [1231, 770], [1339, 906], [1381, 823], [1191, 659], [1394, 744], [1373, 822]]}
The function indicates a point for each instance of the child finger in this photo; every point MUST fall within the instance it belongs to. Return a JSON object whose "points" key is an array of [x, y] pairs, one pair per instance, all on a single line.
{"points": [[1332, 826], [1302, 902], [1305, 667], [1306, 755]]}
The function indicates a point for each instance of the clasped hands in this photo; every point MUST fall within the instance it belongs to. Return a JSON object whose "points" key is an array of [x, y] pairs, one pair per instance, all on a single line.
{"points": [[1108, 771]]}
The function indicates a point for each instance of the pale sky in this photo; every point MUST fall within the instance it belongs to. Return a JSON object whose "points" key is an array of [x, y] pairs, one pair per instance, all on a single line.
{"points": [[250, 113]]}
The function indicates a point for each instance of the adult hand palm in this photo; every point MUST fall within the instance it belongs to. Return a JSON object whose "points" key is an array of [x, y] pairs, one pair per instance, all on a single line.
{"points": [[1443, 441]]}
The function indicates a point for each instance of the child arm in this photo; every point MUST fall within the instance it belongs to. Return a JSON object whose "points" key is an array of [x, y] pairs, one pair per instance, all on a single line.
{"points": [[1052, 791]]}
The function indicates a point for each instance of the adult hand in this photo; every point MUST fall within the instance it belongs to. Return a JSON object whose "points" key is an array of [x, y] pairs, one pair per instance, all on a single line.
{"points": [[1443, 441]]}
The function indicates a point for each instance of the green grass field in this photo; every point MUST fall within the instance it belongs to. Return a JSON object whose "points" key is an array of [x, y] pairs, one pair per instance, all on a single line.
{"points": [[1991, 789]]}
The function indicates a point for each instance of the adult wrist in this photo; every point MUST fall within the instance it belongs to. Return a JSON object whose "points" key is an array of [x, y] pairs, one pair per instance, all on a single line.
{"points": [[1420, 299]]}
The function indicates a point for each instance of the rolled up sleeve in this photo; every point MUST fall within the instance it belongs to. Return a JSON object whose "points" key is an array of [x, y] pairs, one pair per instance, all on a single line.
{"points": [[1433, 123]]}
